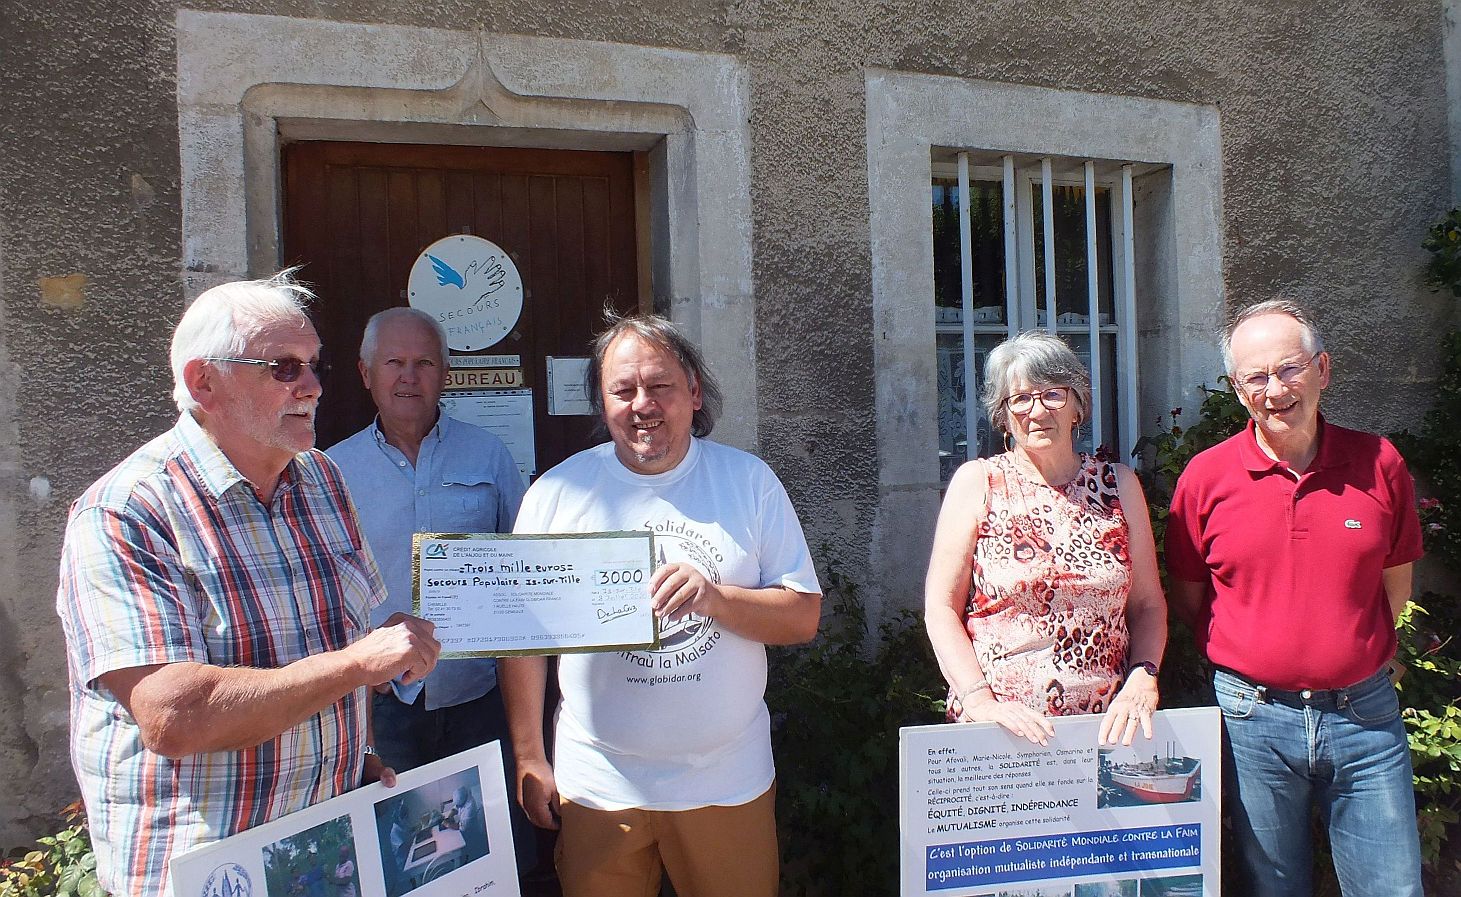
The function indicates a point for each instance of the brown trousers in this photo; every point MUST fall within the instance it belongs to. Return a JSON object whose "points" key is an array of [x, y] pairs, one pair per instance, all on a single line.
{"points": [[708, 852]]}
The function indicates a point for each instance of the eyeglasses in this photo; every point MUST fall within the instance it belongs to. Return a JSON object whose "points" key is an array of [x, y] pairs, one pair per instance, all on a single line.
{"points": [[1053, 399], [1288, 375], [285, 370]]}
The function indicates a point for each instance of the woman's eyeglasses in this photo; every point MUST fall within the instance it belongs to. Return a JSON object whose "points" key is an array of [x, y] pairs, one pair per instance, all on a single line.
{"points": [[285, 370], [1053, 399]]}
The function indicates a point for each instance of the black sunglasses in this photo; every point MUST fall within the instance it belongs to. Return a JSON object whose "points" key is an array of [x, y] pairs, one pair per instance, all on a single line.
{"points": [[285, 370]]}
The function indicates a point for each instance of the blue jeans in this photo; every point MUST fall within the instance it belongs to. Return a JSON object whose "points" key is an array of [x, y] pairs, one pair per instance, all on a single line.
{"points": [[1343, 750], [409, 735]]}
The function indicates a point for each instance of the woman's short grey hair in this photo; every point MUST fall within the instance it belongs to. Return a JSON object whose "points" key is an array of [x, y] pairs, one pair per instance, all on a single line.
{"points": [[656, 331], [1040, 359], [371, 339], [1313, 339], [220, 322]]}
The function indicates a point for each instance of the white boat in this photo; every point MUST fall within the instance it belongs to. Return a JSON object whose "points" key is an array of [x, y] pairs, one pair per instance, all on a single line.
{"points": [[1158, 781]]}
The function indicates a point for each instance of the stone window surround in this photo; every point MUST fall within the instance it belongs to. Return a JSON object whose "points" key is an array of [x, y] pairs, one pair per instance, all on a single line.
{"points": [[1180, 294], [247, 82]]}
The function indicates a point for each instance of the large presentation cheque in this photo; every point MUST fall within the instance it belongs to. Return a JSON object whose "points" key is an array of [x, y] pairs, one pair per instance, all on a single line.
{"points": [[492, 594], [984, 812]]}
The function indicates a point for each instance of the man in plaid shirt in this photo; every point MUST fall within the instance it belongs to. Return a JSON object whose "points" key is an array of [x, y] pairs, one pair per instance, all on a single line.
{"points": [[215, 593]]}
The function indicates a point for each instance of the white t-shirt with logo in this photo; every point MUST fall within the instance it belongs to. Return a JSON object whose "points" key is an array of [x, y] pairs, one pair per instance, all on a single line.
{"points": [[683, 726]]}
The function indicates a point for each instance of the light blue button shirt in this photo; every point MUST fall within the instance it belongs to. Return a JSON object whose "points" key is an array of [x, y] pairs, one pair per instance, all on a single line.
{"points": [[464, 481]]}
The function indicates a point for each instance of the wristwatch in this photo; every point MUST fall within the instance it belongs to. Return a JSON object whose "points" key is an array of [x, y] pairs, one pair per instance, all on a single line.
{"points": [[370, 751], [1151, 668]]}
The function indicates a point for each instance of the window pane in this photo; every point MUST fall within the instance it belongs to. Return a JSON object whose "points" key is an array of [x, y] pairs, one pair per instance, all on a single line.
{"points": [[1111, 429], [986, 224], [1106, 401], [953, 449], [1071, 287]]}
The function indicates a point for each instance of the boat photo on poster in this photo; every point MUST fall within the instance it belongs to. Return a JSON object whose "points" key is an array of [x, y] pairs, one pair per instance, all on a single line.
{"points": [[1131, 776]]}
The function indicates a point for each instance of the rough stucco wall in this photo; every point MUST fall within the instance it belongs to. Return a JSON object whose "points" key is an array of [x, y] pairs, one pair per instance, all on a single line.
{"points": [[1335, 160], [89, 188]]}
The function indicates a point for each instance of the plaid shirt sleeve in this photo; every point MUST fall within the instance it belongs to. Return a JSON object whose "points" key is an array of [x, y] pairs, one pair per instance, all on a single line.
{"points": [[124, 599]]}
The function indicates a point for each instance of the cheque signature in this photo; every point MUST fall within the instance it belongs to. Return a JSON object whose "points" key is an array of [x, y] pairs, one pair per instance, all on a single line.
{"points": [[613, 613]]}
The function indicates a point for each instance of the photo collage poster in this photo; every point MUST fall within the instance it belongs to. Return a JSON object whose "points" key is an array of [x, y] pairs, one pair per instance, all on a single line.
{"points": [[442, 831]]}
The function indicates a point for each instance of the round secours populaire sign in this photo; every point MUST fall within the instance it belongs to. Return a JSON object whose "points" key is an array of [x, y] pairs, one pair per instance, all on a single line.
{"points": [[471, 286]]}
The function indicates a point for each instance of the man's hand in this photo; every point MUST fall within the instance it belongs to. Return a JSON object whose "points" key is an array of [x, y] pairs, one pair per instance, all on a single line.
{"points": [[679, 589], [537, 791], [376, 770], [1133, 706], [403, 648]]}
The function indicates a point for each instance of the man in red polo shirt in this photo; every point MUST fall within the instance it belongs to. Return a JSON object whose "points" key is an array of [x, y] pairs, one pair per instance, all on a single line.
{"points": [[1289, 548]]}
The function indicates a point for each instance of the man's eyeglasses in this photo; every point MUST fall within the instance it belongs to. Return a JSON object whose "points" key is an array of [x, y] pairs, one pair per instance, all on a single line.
{"points": [[1053, 399], [1288, 375], [285, 370]]}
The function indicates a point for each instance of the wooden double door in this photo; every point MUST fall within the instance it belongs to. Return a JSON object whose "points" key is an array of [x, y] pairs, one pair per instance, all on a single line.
{"points": [[357, 215]]}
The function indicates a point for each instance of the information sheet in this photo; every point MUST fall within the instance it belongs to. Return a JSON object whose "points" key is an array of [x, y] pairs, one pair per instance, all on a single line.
{"points": [[567, 385], [985, 812], [506, 414], [492, 595], [442, 831]]}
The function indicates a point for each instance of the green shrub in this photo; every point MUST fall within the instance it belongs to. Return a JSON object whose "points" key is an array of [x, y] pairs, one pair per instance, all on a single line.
{"points": [[62, 864], [836, 708]]}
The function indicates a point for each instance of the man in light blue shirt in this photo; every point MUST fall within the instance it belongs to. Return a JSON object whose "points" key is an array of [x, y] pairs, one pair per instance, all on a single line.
{"points": [[416, 469]]}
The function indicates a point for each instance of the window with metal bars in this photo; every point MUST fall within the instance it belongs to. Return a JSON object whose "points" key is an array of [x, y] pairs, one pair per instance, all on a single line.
{"points": [[1040, 243]]}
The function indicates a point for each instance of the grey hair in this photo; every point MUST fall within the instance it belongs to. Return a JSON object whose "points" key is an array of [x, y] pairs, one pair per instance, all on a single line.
{"points": [[661, 332], [371, 339], [1041, 359], [1313, 339], [221, 322]]}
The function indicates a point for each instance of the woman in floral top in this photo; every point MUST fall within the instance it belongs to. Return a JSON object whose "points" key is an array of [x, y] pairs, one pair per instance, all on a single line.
{"points": [[1042, 596]]}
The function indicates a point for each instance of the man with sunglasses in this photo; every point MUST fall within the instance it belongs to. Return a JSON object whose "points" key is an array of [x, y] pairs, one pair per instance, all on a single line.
{"points": [[1289, 548], [215, 591]]}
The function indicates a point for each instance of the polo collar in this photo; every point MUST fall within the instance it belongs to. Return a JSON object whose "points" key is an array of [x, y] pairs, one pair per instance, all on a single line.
{"points": [[218, 474], [1257, 461]]}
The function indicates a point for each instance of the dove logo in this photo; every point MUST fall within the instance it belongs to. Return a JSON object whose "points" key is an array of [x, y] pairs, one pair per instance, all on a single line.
{"points": [[446, 275], [471, 286]]}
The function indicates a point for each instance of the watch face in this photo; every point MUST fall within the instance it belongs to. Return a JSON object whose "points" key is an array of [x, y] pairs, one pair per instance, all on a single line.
{"points": [[1151, 668]]}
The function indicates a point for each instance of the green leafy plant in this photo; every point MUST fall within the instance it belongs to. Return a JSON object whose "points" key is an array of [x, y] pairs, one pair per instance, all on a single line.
{"points": [[1432, 685], [61, 865], [836, 708], [1433, 722]]}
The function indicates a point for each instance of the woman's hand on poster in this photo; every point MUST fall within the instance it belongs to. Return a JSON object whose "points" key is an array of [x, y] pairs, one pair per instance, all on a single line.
{"points": [[984, 707], [1132, 708]]}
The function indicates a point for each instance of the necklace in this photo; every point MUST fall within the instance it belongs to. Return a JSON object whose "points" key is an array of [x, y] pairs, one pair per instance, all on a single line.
{"points": [[1032, 471]]}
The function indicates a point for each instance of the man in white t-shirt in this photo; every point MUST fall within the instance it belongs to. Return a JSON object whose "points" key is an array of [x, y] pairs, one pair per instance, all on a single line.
{"points": [[662, 759]]}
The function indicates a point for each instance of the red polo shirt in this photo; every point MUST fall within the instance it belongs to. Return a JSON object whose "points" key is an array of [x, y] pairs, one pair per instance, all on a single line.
{"points": [[1295, 562]]}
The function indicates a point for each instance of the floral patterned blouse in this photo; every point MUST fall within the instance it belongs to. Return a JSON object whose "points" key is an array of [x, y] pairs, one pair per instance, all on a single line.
{"points": [[1047, 600]]}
